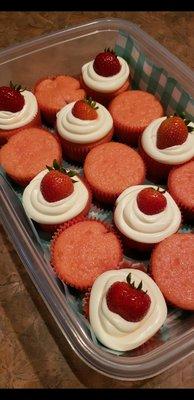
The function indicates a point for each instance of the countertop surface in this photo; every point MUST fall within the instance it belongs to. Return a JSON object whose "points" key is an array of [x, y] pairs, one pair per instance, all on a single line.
{"points": [[33, 352]]}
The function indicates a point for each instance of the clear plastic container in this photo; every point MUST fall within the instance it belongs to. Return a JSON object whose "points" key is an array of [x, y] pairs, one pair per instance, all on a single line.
{"points": [[65, 52]]}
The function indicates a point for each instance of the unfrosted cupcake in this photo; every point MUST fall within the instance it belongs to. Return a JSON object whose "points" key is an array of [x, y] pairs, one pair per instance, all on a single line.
{"points": [[132, 112], [28, 152], [54, 197], [126, 308], [105, 77], [181, 188], [83, 125], [172, 268], [145, 216], [80, 251], [53, 93], [167, 142], [18, 110], [112, 167]]}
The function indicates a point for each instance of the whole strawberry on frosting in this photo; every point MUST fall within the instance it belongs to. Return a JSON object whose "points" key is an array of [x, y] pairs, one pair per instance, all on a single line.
{"points": [[151, 201], [85, 109], [173, 131], [11, 98], [107, 63], [128, 301], [57, 183]]}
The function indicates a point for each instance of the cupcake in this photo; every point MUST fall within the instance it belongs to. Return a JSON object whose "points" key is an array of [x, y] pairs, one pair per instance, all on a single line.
{"points": [[167, 142], [145, 216], [53, 93], [28, 152], [54, 197], [105, 77], [83, 125], [126, 308], [80, 251], [181, 188], [18, 111], [172, 268], [112, 167], [132, 112]]}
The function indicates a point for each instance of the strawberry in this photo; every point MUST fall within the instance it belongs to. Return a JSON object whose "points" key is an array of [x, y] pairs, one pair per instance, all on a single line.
{"points": [[107, 63], [11, 98], [57, 183], [85, 109], [172, 131], [151, 201], [130, 302]]}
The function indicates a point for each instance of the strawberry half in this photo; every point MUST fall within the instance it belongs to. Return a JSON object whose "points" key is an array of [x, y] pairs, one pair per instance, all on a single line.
{"points": [[173, 131], [151, 201], [124, 299], [85, 109], [107, 63], [11, 98], [57, 183]]}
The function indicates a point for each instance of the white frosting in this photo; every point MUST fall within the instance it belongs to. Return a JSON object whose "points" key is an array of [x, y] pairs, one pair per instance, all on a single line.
{"points": [[110, 328], [171, 155], [102, 83], [83, 131], [43, 212], [13, 120], [141, 227]]}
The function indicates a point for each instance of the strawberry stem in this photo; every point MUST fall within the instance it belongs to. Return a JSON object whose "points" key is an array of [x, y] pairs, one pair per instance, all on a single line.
{"points": [[16, 87], [57, 167], [91, 103], [139, 287]]}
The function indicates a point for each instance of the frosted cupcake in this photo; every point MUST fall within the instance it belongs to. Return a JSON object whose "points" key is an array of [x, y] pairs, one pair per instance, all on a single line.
{"points": [[126, 308], [54, 197], [83, 125], [105, 77], [18, 110], [167, 142], [145, 216]]}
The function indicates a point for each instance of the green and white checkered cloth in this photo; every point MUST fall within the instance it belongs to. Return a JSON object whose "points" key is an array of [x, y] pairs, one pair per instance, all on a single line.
{"points": [[150, 77]]}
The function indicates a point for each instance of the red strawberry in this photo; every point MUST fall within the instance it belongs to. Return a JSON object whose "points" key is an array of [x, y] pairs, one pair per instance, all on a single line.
{"points": [[85, 109], [172, 131], [11, 98], [57, 183], [151, 201], [106, 63], [129, 302]]}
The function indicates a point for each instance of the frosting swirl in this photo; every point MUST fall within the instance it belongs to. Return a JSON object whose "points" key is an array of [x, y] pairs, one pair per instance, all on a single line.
{"points": [[172, 155], [83, 131], [110, 328], [143, 228], [102, 83], [14, 120], [43, 212]]}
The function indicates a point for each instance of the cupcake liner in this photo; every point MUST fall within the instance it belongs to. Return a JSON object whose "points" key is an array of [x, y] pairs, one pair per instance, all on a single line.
{"points": [[187, 212], [51, 228], [85, 304], [65, 226], [104, 98], [5, 135], [102, 197], [128, 134], [156, 171], [78, 152]]}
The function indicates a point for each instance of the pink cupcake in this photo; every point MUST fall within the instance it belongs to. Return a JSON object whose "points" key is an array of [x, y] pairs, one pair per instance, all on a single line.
{"points": [[144, 216], [56, 196], [112, 167], [132, 111], [53, 93], [166, 143], [105, 77], [18, 110], [81, 126]]}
